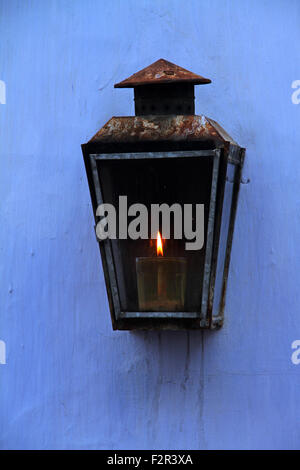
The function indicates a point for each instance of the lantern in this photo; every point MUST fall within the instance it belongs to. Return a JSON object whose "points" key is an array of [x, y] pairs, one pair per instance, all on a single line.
{"points": [[164, 162]]}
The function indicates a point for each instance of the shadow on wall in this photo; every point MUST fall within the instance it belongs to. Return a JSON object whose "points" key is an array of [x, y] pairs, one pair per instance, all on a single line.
{"points": [[162, 367], [172, 356]]}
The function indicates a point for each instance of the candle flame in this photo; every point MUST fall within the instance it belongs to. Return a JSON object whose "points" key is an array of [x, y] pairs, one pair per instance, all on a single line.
{"points": [[159, 245]]}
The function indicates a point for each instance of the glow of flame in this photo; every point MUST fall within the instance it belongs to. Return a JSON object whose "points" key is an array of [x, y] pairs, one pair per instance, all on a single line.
{"points": [[159, 245]]}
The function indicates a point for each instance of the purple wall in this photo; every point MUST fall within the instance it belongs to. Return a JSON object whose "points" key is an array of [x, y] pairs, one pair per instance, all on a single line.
{"points": [[69, 381]]}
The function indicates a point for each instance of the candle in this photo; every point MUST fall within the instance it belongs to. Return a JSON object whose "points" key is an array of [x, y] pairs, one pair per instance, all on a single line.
{"points": [[161, 282]]}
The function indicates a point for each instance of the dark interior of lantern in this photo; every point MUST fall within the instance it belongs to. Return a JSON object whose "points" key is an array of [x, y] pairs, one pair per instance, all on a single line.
{"points": [[184, 180]]}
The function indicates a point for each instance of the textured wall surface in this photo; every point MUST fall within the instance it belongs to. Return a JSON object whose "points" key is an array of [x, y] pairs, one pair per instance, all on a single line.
{"points": [[69, 381]]}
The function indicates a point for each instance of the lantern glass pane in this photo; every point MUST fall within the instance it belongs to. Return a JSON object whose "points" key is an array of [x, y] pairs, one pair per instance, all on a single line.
{"points": [[147, 280], [226, 211]]}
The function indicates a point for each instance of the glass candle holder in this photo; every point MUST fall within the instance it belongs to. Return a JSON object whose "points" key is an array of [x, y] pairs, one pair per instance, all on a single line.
{"points": [[161, 284]]}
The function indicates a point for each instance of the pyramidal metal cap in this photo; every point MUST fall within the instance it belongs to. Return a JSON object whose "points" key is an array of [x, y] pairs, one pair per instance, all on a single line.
{"points": [[161, 72]]}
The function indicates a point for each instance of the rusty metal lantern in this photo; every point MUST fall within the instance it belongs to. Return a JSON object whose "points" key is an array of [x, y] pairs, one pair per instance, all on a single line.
{"points": [[166, 153]]}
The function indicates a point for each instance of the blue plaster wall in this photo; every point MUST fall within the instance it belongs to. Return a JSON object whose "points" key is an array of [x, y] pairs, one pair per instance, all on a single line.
{"points": [[69, 381]]}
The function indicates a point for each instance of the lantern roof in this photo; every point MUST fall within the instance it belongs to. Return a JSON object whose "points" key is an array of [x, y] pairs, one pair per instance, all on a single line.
{"points": [[158, 128], [162, 72]]}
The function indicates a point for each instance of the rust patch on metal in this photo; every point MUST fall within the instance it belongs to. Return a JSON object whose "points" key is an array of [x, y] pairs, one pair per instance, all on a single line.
{"points": [[161, 72], [160, 128]]}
